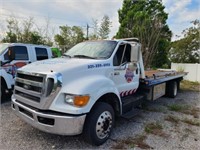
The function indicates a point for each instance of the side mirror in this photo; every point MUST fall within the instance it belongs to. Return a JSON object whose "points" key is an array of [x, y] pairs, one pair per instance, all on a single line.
{"points": [[135, 51], [132, 66], [11, 54]]}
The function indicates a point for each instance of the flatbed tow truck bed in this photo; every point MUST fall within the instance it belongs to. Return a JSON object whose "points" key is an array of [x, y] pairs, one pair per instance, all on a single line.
{"points": [[154, 77]]}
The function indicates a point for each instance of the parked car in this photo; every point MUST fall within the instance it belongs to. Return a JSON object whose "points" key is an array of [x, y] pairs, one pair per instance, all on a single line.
{"points": [[16, 55], [56, 52]]}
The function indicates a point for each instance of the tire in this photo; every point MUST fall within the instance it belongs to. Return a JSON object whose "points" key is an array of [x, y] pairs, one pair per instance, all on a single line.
{"points": [[99, 124], [3, 91], [172, 89]]}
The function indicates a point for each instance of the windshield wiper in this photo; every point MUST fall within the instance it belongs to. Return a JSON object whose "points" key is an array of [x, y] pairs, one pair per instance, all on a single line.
{"points": [[84, 56], [102, 57], [67, 55]]}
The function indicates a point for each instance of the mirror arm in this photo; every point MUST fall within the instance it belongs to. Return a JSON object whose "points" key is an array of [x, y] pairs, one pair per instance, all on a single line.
{"points": [[3, 63]]}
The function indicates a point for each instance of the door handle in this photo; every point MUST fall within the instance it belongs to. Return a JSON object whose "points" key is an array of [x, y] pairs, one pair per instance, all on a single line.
{"points": [[116, 73]]}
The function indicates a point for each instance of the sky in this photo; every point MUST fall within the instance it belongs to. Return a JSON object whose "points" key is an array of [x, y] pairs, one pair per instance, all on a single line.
{"points": [[81, 12]]}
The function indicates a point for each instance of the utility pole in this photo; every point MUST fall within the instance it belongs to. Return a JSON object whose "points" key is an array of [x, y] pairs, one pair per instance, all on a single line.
{"points": [[87, 28], [88, 31]]}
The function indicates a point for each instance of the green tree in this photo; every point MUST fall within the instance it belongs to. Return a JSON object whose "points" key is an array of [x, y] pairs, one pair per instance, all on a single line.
{"points": [[94, 35], [12, 34], [104, 29], [161, 59], [186, 50], [23, 32], [68, 37], [146, 20]]}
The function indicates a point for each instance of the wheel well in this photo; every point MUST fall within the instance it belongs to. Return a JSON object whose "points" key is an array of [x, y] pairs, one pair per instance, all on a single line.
{"points": [[113, 100], [3, 82]]}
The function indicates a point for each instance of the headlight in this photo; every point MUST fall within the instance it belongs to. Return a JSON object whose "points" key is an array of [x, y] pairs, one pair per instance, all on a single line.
{"points": [[77, 100]]}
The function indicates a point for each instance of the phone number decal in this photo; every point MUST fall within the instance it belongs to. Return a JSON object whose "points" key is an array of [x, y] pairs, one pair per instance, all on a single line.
{"points": [[98, 65]]}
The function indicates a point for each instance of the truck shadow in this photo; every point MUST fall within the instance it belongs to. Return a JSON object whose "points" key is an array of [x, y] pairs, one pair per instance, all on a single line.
{"points": [[7, 99]]}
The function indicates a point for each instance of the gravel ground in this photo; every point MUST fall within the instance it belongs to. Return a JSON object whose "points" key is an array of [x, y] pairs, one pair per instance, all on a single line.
{"points": [[156, 127]]}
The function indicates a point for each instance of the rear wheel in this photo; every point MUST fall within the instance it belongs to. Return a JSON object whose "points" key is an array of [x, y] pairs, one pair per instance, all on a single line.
{"points": [[99, 124], [172, 89]]}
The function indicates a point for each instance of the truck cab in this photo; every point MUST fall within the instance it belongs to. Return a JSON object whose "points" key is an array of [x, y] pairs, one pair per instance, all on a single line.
{"points": [[83, 91], [16, 55]]}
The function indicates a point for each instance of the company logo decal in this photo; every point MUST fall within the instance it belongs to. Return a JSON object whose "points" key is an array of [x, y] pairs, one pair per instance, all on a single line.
{"points": [[129, 75], [12, 68]]}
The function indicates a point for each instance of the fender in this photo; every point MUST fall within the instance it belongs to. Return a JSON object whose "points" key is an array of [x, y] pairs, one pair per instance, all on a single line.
{"points": [[7, 77], [96, 86]]}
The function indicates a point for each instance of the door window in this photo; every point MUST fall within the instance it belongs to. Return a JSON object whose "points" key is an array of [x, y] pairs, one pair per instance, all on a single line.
{"points": [[20, 53], [41, 53], [122, 55]]}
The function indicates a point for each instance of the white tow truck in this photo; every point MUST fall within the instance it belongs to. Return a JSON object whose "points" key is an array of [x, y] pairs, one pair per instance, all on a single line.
{"points": [[85, 90], [16, 55]]}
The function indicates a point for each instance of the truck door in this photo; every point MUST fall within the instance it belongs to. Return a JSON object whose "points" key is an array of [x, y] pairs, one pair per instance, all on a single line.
{"points": [[21, 59], [126, 80]]}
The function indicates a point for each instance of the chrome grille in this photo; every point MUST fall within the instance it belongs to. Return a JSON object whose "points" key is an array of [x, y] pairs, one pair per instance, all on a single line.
{"points": [[30, 86], [37, 90]]}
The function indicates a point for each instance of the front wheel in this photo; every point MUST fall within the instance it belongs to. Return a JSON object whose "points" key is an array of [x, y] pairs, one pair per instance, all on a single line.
{"points": [[3, 91], [99, 124]]}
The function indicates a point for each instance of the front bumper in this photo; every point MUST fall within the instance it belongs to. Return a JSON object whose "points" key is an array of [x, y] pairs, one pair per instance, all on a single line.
{"points": [[56, 124]]}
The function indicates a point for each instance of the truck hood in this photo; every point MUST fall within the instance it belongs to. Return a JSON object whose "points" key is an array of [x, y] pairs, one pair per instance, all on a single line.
{"points": [[59, 65]]}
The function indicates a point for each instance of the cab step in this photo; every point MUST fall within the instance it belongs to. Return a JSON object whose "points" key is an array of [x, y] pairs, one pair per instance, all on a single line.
{"points": [[130, 103], [132, 113]]}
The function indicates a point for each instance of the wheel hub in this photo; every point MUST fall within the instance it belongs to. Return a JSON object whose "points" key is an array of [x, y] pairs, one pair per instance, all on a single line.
{"points": [[104, 124]]}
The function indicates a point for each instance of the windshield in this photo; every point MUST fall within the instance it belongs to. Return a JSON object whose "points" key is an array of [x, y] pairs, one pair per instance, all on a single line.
{"points": [[92, 49], [3, 47]]}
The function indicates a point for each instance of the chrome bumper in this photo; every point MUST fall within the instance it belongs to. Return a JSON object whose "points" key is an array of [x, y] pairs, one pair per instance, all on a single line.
{"points": [[56, 124]]}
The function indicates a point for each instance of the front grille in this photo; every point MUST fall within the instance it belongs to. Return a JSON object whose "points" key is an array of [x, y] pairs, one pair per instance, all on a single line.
{"points": [[30, 86], [30, 77]]}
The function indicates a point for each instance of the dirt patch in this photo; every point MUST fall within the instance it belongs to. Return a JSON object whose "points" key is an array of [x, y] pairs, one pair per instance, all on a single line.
{"points": [[186, 109], [156, 129], [138, 141], [190, 86]]}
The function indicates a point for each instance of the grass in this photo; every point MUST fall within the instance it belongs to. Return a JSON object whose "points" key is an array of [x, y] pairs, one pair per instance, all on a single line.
{"points": [[177, 107], [155, 128], [192, 111], [149, 128], [138, 141], [172, 119], [176, 120], [189, 85], [189, 110], [191, 122]]}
